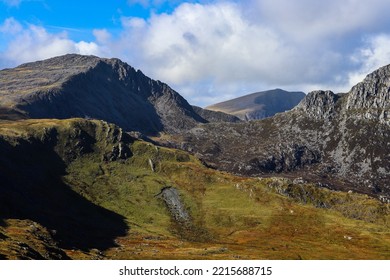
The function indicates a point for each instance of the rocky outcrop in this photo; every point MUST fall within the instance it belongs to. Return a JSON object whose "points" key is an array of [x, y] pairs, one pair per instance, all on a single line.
{"points": [[337, 140], [372, 92], [319, 104], [91, 87], [370, 99], [176, 208]]}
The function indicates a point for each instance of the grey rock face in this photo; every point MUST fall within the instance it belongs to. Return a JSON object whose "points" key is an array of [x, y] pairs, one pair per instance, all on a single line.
{"points": [[87, 86], [370, 99], [319, 104], [177, 209], [372, 92], [338, 140]]}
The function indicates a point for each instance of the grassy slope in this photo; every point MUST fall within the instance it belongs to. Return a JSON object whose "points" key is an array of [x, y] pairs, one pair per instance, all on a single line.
{"points": [[233, 217]]}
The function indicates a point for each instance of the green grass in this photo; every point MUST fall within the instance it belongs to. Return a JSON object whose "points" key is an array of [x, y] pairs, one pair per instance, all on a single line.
{"points": [[243, 217], [233, 217]]}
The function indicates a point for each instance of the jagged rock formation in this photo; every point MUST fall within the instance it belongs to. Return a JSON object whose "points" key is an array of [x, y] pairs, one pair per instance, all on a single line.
{"points": [[259, 105], [91, 87], [319, 104], [370, 99], [338, 140], [214, 116]]}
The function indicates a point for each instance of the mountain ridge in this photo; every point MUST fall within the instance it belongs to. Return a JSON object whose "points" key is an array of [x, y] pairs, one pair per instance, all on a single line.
{"points": [[87, 86]]}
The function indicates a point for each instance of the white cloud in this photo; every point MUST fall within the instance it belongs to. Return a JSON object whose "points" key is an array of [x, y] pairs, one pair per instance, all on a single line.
{"points": [[374, 54], [209, 50], [102, 35], [86, 48], [307, 19], [10, 26], [35, 43], [218, 45]]}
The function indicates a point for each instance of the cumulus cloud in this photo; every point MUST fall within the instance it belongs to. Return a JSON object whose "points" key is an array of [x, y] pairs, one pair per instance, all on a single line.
{"points": [[11, 26], [374, 54], [32, 42], [216, 43], [102, 35], [307, 19], [224, 48], [181, 49]]}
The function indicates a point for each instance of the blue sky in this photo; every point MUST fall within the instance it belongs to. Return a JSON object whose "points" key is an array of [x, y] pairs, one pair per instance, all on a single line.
{"points": [[209, 50], [80, 17]]}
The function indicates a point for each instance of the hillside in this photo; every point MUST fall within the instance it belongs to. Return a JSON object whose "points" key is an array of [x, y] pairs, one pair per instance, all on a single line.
{"points": [[336, 140], [259, 105], [85, 189]]}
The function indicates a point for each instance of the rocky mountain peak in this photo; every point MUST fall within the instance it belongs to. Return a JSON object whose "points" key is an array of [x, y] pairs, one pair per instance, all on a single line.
{"points": [[372, 92], [88, 86], [319, 104], [370, 99]]}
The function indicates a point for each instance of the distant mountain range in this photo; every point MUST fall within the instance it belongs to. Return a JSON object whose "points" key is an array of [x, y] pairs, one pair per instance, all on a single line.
{"points": [[259, 105]]}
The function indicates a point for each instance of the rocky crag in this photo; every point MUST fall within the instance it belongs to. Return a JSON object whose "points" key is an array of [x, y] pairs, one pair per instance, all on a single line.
{"points": [[338, 140]]}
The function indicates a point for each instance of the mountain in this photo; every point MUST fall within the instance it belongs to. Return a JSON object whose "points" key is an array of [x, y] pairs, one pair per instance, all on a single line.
{"points": [[259, 105], [336, 140], [91, 87]]}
